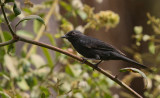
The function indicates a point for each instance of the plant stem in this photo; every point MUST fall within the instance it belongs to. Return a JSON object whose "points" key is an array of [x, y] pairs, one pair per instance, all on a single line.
{"points": [[8, 42], [7, 21]]}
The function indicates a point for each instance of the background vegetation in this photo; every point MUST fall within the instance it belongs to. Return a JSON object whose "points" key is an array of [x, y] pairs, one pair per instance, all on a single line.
{"points": [[28, 71]]}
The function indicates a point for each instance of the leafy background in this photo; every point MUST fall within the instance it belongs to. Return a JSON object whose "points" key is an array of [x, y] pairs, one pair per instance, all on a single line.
{"points": [[30, 71]]}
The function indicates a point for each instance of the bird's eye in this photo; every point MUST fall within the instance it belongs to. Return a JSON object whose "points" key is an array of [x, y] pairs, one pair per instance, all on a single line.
{"points": [[73, 33]]}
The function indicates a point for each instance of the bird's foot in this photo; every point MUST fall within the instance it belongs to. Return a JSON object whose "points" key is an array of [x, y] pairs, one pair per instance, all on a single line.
{"points": [[95, 66], [84, 60]]}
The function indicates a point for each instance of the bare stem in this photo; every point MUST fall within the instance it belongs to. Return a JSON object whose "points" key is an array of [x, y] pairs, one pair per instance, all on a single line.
{"points": [[8, 42], [7, 21]]}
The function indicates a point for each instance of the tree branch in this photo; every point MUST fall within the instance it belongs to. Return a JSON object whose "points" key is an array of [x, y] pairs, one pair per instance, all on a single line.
{"points": [[17, 38], [8, 42]]}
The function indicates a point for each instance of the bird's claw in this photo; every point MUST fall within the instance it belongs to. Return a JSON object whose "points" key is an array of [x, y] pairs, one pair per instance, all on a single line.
{"points": [[95, 66], [84, 60]]}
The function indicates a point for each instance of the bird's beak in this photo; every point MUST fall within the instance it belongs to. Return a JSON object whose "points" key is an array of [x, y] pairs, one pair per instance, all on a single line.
{"points": [[64, 36]]}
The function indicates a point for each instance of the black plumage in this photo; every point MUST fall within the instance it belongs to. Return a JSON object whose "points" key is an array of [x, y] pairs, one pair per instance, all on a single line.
{"points": [[93, 48]]}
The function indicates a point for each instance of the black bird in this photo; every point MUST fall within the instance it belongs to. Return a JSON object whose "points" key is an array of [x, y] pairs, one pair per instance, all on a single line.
{"points": [[92, 48]]}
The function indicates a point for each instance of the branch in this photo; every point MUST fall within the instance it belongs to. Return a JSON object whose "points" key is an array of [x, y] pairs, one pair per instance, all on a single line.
{"points": [[8, 42], [17, 38], [81, 60], [7, 21]]}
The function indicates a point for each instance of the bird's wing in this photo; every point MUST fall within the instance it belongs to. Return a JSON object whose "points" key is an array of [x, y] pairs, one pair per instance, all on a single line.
{"points": [[99, 45]]}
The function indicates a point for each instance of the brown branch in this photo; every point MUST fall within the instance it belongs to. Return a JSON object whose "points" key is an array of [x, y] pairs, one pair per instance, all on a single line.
{"points": [[8, 42], [17, 38], [6, 19]]}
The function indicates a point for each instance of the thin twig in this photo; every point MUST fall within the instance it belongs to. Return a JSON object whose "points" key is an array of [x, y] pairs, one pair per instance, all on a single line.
{"points": [[7, 21], [8, 42]]}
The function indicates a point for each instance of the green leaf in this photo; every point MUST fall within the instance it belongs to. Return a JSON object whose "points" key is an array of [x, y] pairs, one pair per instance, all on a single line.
{"points": [[16, 10], [82, 14], [66, 6], [69, 70], [25, 34], [43, 95], [45, 91], [152, 47], [11, 64], [138, 29], [23, 84], [7, 1], [31, 17], [31, 81], [11, 49], [48, 56], [135, 71], [37, 60], [36, 26], [7, 35], [51, 39]]}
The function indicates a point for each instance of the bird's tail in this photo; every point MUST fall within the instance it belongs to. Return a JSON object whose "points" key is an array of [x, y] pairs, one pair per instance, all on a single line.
{"points": [[136, 63]]}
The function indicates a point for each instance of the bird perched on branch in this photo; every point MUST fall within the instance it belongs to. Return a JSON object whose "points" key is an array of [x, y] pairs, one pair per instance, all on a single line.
{"points": [[92, 48]]}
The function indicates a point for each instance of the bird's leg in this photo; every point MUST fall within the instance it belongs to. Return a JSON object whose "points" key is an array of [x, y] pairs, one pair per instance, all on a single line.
{"points": [[84, 60], [96, 65]]}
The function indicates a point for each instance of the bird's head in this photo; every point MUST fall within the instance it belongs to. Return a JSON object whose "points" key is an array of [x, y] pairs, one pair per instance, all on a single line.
{"points": [[72, 34]]}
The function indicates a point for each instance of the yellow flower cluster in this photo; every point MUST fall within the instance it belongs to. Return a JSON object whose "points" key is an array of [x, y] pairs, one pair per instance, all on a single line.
{"points": [[107, 19]]}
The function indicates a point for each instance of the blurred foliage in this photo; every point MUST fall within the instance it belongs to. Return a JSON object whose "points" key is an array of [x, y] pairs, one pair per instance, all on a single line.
{"points": [[56, 75], [153, 56]]}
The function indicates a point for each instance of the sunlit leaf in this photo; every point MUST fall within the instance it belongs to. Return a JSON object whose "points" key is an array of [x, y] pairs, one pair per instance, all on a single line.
{"points": [[138, 29], [82, 14], [36, 26], [23, 84], [48, 56], [135, 71], [37, 60], [69, 70], [25, 34], [152, 47], [16, 10], [31, 17], [11, 63]]}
